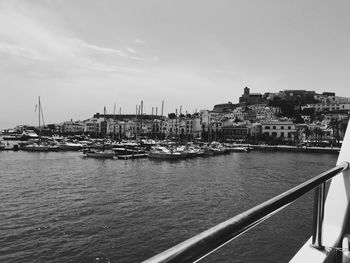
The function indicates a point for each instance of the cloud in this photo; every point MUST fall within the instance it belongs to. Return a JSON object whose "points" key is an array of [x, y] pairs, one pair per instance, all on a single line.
{"points": [[131, 50], [91, 47], [53, 49], [16, 50], [140, 41]]}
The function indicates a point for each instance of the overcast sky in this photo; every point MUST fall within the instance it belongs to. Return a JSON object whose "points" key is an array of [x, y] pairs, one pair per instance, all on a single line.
{"points": [[82, 55]]}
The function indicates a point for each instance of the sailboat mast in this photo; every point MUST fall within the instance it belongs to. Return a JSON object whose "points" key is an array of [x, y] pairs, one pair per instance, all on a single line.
{"points": [[39, 105], [141, 115], [114, 122], [161, 121]]}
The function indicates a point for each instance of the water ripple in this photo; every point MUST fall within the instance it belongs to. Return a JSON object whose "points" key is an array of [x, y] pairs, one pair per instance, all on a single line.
{"points": [[59, 207]]}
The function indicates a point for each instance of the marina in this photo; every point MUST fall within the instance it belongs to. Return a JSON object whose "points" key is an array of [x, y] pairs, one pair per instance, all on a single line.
{"points": [[174, 131]]}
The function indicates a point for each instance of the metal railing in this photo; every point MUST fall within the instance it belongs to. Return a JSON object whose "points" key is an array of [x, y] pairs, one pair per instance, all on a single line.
{"points": [[203, 244]]}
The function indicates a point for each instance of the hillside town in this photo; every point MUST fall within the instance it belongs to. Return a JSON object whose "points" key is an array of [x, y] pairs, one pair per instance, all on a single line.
{"points": [[289, 117]]}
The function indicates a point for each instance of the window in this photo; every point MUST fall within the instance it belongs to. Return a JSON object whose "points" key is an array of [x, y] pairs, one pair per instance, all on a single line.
{"points": [[282, 134], [289, 135], [267, 127], [289, 127], [282, 127], [274, 127]]}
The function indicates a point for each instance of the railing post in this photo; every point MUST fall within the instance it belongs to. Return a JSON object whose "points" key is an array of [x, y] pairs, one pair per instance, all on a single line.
{"points": [[318, 216]]}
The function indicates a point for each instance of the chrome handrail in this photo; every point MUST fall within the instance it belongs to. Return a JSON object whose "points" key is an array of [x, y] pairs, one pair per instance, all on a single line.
{"points": [[203, 244]]}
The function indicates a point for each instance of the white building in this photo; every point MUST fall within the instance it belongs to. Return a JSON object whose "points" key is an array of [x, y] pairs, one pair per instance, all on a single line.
{"points": [[92, 126], [319, 107], [279, 129], [193, 126]]}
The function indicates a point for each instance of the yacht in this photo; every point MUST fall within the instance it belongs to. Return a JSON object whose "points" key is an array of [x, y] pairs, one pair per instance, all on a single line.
{"points": [[161, 152], [35, 147], [70, 146], [29, 135]]}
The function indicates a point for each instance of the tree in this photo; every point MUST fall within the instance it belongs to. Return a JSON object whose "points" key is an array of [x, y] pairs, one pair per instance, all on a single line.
{"points": [[299, 119], [308, 132], [308, 111], [334, 125], [319, 134]]}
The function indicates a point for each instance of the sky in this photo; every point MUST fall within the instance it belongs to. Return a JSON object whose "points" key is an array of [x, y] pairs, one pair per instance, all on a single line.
{"points": [[83, 55]]}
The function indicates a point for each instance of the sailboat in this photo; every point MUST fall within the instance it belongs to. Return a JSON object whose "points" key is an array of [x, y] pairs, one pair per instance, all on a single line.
{"points": [[37, 146]]}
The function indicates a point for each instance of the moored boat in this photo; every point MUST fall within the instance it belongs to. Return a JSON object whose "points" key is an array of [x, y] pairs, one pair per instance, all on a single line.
{"points": [[160, 152], [29, 135], [70, 146], [34, 147], [12, 137], [239, 149], [99, 154]]}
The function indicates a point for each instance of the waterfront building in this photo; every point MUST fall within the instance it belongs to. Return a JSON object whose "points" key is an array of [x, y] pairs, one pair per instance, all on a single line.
{"points": [[235, 132], [193, 126], [130, 129], [283, 130], [156, 127], [72, 127], [254, 129], [92, 126], [147, 126], [216, 126], [55, 128], [206, 117]]}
